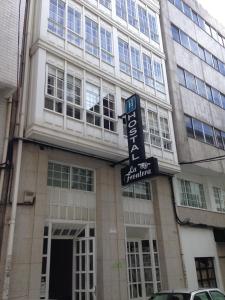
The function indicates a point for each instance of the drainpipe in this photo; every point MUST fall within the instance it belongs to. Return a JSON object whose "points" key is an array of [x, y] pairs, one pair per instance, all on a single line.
{"points": [[22, 98], [5, 147]]}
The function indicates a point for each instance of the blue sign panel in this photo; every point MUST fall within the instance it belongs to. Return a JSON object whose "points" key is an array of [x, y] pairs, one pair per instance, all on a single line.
{"points": [[130, 104]]}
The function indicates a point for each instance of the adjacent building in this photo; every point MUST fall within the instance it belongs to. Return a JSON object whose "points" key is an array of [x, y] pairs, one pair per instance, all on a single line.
{"points": [[195, 48], [78, 233]]}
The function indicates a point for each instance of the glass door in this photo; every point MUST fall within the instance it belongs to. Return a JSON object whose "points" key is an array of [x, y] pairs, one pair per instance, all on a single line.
{"points": [[84, 267]]}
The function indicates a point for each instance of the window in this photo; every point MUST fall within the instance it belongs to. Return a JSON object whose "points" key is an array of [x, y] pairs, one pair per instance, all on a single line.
{"points": [[201, 22], [64, 176], [201, 87], [194, 46], [208, 133], [190, 81], [187, 10], [214, 34], [73, 97], [148, 70], [207, 28], [74, 27], [56, 20], [154, 129], [82, 179], [208, 58], [192, 194], [55, 90], [91, 39], [205, 271], [218, 139], [58, 175], [223, 100], [121, 9], [136, 64], [176, 34], [93, 114], [140, 190], [194, 17], [221, 67], [215, 63], [209, 93], [178, 4], [131, 11], [184, 39], [189, 126], [201, 52], [124, 56], [159, 79], [181, 77], [219, 196], [167, 144], [154, 35], [106, 46], [109, 112], [106, 3], [216, 96], [198, 129], [143, 20]]}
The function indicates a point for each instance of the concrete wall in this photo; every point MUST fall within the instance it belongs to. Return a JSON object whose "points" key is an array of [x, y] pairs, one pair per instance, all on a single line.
{"points": [[198, 243]]}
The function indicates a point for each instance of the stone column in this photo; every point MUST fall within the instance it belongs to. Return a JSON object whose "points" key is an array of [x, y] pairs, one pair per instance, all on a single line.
{"points": [[110, 233], [172, 274]]}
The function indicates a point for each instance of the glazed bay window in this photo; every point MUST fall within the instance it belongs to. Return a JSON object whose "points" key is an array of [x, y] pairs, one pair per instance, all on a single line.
{"points": [[140, 190], [154, 35], [192, 194], [121, 9], [93, 113], [73, 97], [143, 20], [159, 79], [54, 89], [106, 46], [74, 27], [124, 56], [219, 197], [148, 74], [155, 138], [56, 20], [166, 139], [136, 64], [132, 13], [106, 3], [68, 177], [109, 112], [91, 37]]}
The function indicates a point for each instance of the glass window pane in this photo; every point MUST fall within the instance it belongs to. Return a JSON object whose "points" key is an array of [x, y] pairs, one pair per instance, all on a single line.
{"points": [[189, 126], [198, 130]]}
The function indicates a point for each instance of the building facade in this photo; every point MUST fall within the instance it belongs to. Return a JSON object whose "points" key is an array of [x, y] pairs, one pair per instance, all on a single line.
{"points": [[78, 233], [195, 48], [11, 24]]}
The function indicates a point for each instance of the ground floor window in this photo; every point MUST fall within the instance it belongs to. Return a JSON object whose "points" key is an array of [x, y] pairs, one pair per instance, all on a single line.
{"points": [[143, 268], [205, 272]]}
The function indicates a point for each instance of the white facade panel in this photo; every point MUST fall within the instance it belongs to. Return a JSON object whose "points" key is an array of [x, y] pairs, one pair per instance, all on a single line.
{"points": [[195, 243]]}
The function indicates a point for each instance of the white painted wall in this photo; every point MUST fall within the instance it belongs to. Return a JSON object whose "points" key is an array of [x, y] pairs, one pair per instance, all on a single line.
{"points": [[196, 242]]}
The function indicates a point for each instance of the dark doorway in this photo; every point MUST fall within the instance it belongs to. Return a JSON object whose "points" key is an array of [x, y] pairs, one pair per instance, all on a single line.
{"points": [[60, 285]]}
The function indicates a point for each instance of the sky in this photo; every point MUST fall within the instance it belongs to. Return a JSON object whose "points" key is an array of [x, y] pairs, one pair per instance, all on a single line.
{"points": [[216, 8]]}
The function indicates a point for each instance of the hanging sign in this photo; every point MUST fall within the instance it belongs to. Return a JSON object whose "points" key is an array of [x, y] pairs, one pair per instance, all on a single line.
{"points": [[139, 167]]}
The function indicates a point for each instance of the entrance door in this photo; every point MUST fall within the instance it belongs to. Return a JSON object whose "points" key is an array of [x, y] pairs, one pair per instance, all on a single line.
{"points": [[84, 268], [143, 269], [60, 284]]}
